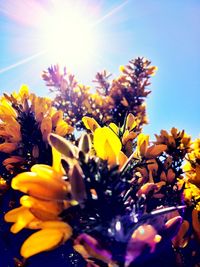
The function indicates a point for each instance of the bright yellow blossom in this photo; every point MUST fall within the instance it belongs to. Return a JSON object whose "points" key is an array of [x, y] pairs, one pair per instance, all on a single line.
{"points": [[25, 123], [42, 207], [107, 145]]}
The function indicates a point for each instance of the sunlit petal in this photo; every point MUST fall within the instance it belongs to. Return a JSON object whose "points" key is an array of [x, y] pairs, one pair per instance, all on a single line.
{"points": [[45, 239]]}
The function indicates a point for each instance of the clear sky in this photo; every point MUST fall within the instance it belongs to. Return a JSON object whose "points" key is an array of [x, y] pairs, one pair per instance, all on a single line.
{"points": [[165, 31]]}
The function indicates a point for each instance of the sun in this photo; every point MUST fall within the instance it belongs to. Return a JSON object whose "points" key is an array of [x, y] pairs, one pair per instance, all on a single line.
{"points": [[70, 33], [68, 36]]}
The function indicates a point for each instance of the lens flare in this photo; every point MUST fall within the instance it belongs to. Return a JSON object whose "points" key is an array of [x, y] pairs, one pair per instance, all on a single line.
{"points": [[68, 35]]}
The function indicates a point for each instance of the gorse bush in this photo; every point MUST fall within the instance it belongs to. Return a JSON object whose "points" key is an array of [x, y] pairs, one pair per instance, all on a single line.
{"points": [[116, 197]]}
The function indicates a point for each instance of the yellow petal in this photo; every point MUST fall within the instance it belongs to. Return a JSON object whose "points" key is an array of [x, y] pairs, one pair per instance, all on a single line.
{"points": [[114, 127], [128, 136], [43, 215], [41, 208], [106, 144], [130, 122], [63, 128], [122, 68], [21, 216], [90, 123], [152, 70], [13, 129], [12, 215], [122, 159], [43, 240], [142, 143], [57, 162], [109, 154], [7, 109], [41, 187], [57, 116], [57, 225], [24, 91], [81, 250], [155, 150], [46, 127], [45, 171]]}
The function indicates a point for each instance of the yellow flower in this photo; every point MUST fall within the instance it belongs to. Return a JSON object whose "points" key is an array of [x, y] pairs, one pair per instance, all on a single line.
{"points": [[192, 167], [152, 70], [142, 143], [21, 217], [107, 145], [90, 123], [25, 123], [149, 152], [46, 127], [131, 122], [126, 129], [191, 193], [42, 207], [175, 140], [6, 109], [52, 234], [43, 182], [63, 128]]}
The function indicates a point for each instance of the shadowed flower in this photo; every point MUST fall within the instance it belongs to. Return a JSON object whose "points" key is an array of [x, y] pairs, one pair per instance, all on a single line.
{"points": [[25, 122], [192, 166], [43, 182], [89, 247], [52, 234], [148, 151], [41, 209], [177, 142]]}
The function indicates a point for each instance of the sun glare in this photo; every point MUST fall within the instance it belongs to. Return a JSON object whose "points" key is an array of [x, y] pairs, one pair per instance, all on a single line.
{"points": [[64, 32], [68, 36]]}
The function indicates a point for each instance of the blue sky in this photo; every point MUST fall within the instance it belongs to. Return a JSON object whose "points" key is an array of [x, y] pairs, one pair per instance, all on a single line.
{"points": [[166, 32]]}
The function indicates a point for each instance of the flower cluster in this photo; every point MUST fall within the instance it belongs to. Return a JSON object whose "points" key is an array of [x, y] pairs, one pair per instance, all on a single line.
{"points": [[25, 122], [192, 180], [96, 204], [116, 197], [111, 102]]}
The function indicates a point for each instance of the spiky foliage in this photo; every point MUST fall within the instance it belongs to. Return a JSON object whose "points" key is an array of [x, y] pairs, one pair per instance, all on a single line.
{"points": [[111, 102], [112, 192], [26, 121]]}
